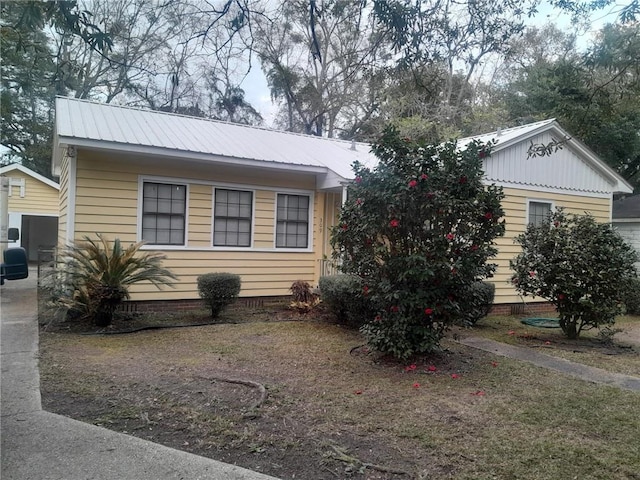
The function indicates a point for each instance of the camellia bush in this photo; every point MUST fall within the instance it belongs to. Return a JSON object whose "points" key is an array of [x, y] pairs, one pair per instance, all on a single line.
{"points": [[579, 265], [418, 229]]}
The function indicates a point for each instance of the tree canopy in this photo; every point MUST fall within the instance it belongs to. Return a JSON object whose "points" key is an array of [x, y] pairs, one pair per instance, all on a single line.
{"points": [[342, 68]]}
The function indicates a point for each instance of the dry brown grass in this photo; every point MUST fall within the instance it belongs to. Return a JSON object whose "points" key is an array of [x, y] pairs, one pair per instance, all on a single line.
{"points": [[498, 419]]}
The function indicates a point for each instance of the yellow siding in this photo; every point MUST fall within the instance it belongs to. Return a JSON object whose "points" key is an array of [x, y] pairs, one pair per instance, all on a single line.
{"points": [[39, 197], [515, 207], [107, 202]]}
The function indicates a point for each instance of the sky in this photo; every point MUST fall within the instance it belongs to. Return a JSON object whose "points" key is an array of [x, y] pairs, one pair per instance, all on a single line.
{"points": [[257, 90]]}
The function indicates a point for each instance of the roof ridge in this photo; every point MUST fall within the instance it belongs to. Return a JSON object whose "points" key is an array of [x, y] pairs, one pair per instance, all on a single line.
{"points": [[211, 120], [502, 131]]}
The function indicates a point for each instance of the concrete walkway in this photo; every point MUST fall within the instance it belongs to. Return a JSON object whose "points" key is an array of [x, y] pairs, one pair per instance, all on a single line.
{"points": [[39, 445], [578, 370]]}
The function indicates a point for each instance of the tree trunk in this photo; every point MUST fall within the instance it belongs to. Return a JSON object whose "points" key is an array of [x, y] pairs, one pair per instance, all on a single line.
{"points": [[569, 327]]}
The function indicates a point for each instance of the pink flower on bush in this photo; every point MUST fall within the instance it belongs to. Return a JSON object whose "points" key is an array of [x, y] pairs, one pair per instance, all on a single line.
{"points": [[416, 385], [561, 296], [344, 227], [432, 368], [488, 215], [358, 392], [428, 311], [377, 318], [413, 183], [359, 201], [394, 223], [410, 368], [394, 309], [511, 332], [450, 236], [478, 393], [358, 179], [474, 248], [463, 179], [365, 290], [532, 274], [494, 364], [424, 176], [455, 375]]}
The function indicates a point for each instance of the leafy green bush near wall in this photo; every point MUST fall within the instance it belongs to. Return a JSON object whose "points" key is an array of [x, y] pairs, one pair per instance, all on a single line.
{"points": [[218, 290]]}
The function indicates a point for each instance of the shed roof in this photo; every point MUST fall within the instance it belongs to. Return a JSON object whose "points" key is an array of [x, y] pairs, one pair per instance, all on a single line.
{"points": [[27, 171]]}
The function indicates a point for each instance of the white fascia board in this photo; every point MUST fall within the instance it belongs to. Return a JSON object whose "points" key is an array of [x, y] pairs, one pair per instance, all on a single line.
{"points": [[31, 173], [538, 188], [331, 180], [197, 156]]}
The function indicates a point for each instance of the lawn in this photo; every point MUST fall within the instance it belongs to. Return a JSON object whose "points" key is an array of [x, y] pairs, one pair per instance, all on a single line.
{"points": [[332, 409]]}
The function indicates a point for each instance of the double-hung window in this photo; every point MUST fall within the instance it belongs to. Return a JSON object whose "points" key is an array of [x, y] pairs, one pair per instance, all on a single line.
{"points": [[232, 218], [538, 212], [292, 221], [163, 213]]}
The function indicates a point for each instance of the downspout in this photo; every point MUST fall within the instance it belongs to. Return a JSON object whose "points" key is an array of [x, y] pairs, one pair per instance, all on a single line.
{"points": [[71, 194]]}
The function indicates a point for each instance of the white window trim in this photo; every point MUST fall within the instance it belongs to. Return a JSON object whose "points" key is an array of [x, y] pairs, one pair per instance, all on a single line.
{"points": [[213, 216], [309, 227], [17, 182], [231, 186], [172, 181], [538, 200]]}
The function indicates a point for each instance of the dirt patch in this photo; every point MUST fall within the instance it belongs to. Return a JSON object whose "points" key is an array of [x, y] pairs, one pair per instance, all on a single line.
{"points": [[331, 409]]}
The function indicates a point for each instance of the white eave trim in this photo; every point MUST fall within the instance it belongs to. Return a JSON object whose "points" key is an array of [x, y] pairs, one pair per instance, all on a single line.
{"points": [[31, 173], [188, 155]]}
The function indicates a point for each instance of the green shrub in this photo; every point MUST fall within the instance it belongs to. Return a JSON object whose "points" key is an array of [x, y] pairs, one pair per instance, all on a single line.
{"points": [[97, 275], [579, 265], [218, 290], [418, 229], [343, 295], [632, 297], [477, 301]]}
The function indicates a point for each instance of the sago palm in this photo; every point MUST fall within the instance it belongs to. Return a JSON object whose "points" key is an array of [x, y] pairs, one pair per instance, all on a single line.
{"points": [[99, 274]]}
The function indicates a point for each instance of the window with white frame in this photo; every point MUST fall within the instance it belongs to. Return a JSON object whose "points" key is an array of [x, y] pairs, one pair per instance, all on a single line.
{"points": [[163, 213], [292, 221], [232, 218], [538, 212]]}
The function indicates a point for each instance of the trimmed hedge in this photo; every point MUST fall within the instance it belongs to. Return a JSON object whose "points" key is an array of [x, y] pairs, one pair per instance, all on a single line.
{"points": [[342, 294], [218, 290], [477, 302]]}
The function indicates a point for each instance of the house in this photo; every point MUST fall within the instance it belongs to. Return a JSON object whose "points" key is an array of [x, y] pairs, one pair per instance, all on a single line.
{"points": [[33, 208], [214, 196], [626, 220]]}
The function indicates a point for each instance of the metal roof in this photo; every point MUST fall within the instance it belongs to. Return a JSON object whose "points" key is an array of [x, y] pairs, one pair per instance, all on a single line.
{"points": [[504, 137], [89, 124], [98, 125]]}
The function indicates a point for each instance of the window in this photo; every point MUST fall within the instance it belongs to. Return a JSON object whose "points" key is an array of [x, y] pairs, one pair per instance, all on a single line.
{"points": [[292, 221], [538, 212], [163, 213], [232, 218]]}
